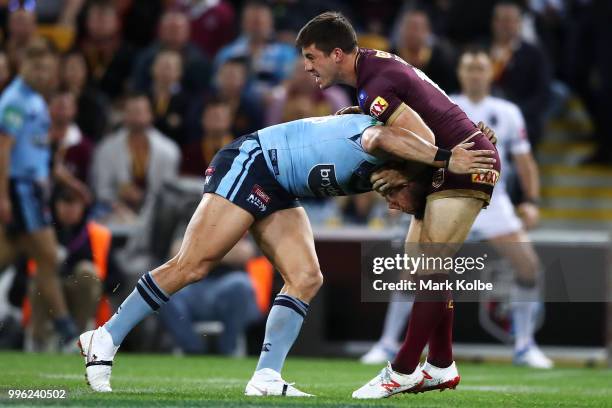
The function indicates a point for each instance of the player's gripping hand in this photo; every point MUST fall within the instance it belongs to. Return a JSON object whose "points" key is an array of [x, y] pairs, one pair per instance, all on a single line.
{"points": [[5, 210], [349, 110], [488, 132], [530, 215], [465, 161]]}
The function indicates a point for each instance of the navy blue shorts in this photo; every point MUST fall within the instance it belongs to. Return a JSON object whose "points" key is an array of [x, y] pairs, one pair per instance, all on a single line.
{"points": [[29, 207], [239, 173]]}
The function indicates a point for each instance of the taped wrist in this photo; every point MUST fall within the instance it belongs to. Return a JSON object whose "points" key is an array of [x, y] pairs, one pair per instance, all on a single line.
{"points": [[443, 155]]}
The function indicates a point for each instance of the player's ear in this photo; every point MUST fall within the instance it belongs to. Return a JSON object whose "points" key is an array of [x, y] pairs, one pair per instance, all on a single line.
{"points": [[337, 54]]}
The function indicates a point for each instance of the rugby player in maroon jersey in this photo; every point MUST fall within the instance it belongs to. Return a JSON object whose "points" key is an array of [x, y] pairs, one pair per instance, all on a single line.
{"points": [[398, 94]]}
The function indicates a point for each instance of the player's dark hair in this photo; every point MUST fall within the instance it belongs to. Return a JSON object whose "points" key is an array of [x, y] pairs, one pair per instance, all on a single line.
{"points": [[328, 31]]}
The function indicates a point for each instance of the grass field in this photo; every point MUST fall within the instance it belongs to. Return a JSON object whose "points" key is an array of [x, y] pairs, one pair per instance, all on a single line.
{"points": [[159, 380]]}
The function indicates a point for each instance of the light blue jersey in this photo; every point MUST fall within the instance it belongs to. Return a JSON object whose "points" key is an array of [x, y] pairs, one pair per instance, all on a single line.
{"points": [[318, 157], [25, 118]]}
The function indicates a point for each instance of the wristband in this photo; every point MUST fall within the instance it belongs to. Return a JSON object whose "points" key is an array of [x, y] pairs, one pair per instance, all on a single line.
{"points": [[443, 155]]}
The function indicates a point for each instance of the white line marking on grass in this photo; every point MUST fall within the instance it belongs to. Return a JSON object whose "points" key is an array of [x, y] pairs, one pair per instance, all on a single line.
{"points": [[526, 389]]}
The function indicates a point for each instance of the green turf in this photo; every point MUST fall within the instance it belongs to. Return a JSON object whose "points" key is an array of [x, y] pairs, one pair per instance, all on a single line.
{"points": [[159, 380]]}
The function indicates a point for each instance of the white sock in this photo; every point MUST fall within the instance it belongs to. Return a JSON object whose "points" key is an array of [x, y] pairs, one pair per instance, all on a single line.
{"points": [[524, 307], [398, 311]]}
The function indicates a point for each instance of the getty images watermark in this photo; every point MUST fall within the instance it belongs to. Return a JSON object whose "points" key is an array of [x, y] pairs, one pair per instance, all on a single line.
{"points": [[477, 272], [422, 264]]}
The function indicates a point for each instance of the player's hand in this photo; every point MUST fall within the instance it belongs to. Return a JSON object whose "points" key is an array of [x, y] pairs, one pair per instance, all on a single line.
{"points": [[6, 213], [488, 132], [385, 179], [465, 161], [530, 215], [349, 110]]}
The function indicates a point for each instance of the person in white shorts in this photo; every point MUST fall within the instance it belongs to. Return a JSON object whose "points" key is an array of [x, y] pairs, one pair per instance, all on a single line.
{"points": [[499, 225]]}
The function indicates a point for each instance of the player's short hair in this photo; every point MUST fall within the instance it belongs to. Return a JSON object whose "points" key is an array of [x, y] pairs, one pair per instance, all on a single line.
{"points": [[327, 31]]}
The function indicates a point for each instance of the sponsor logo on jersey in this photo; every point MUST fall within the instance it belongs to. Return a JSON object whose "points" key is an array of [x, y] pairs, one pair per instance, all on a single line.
{"points": [[258, 198], [322, 181], [490, 177], [208, 174], [438, 178], [379, 106]]}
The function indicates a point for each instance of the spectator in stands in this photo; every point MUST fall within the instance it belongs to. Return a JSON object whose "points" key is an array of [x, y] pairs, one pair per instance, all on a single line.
{"points": [[173, 35], [109, 58], [21, 31], [170, 100], [81, 271], [226, 295], [269, 62], [300, 97], [419, 47], [132, 164], [72, 151], [213, 23], [140, 19], [92, 104], [216, 124], [521, 70], [5, 71], [230, 85], [588, 57]]}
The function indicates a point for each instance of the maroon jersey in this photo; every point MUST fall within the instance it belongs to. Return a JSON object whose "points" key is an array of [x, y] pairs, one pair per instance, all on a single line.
{"points": [[386, 83]]}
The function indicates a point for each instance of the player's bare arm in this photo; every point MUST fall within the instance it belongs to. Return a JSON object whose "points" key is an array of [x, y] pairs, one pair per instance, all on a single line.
{"points": [[6, 142], [529, 179], [406, 145]]}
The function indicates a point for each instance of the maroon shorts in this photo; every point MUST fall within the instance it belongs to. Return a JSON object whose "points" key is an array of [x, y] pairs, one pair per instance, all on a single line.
{"points": [[441, 183]]}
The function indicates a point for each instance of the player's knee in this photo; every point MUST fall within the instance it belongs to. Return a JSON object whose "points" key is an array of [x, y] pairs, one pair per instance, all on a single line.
{"points": [[310, 282], [190, 271]]}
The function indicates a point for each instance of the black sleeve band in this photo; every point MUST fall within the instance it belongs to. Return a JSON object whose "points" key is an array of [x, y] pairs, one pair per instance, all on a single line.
{"points": [[443, 155]]}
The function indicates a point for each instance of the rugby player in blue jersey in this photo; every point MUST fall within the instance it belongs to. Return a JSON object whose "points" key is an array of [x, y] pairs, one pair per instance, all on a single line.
{"points": [[252, 185]]}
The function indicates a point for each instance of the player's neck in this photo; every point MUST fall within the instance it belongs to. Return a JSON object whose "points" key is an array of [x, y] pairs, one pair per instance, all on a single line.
{"points": [[349, 69]]}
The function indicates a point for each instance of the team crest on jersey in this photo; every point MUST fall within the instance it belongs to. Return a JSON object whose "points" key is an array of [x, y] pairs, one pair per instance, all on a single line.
{"points": [[259, 198], [438, 178], [379, 106], [490, 177]]}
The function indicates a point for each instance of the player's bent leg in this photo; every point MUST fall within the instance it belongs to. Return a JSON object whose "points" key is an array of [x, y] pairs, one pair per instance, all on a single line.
{"points": [[445, 226], [286, 239], [215, 227], [524, 297]]}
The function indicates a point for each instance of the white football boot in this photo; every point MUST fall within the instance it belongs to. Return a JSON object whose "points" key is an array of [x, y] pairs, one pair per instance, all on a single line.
{"points": [[389, 383], [267, 383], [533, 357], [436, 378], [99, 351], [378, 354]]}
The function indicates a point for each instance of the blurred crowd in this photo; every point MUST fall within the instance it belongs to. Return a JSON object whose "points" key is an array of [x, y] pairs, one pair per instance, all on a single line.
{"points": [[143, 92]]}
